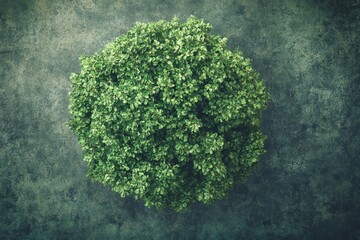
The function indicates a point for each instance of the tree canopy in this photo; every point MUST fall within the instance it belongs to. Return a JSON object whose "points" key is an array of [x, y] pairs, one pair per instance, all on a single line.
{"points": [[168, 114]]}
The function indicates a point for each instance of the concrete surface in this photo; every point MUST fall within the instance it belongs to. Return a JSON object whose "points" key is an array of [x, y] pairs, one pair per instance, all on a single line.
{"points": [[307, 185]]}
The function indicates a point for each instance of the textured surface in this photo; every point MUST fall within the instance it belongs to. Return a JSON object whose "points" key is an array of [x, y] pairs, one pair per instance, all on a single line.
{"points": [[306, 186]]}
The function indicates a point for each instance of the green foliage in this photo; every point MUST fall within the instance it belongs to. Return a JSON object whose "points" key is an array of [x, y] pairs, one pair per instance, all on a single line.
{"points": [[168, 114]]}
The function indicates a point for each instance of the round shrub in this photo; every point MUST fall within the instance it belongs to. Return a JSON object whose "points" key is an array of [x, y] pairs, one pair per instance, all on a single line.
{"points": [[168, 114]]}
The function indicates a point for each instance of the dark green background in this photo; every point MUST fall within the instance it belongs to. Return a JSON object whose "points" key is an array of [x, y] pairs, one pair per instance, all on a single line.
{"points": [[306, 186]]}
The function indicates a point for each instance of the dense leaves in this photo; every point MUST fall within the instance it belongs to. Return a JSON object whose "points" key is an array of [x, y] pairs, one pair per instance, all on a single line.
{"points": [[168, 114]]}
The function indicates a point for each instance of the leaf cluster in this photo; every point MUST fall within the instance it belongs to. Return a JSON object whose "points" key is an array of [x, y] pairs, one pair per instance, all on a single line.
{"points": [[168, 114]]}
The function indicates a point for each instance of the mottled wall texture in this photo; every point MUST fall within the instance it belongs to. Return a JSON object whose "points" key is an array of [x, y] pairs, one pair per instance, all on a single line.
{"points": [[307, 184]]}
